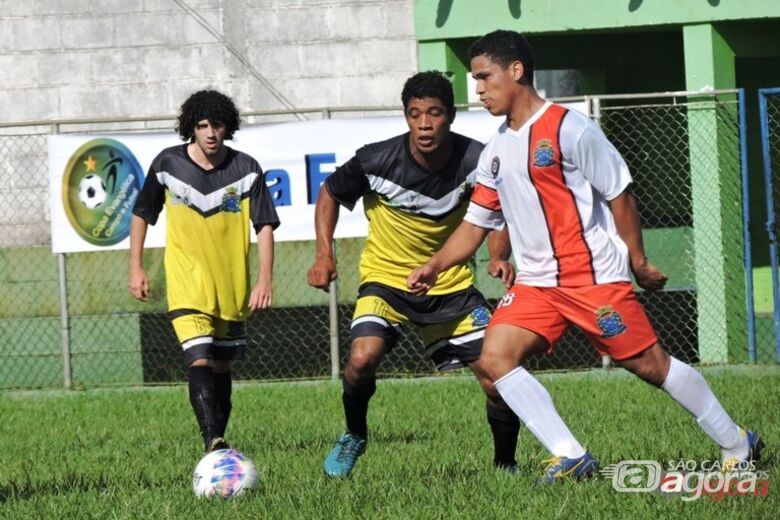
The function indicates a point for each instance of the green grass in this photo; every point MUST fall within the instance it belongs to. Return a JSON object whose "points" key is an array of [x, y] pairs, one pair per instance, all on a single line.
{"points": [[130, 453]]}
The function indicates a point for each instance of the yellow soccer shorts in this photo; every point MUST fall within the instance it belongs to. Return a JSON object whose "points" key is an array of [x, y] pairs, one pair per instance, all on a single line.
{"points": [[452, 326]]}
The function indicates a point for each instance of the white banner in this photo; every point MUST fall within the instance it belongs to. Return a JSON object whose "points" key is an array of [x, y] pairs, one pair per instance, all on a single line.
{"points": [[95, 180]]}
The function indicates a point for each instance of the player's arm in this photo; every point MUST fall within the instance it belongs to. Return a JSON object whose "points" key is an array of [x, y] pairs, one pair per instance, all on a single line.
{"points": [[326, 215], [261, 297], [461, 246], [499, 250], [264, 220], [604, 167], [343, 188], [626, 215], [145, 211], [137, 281]]}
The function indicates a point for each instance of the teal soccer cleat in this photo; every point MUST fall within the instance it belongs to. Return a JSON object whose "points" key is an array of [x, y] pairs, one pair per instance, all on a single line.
{"points": [[343, 456], [562, 468]]}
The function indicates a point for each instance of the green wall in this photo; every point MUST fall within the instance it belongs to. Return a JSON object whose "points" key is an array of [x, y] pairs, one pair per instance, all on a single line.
{"points": [[445, 19]]}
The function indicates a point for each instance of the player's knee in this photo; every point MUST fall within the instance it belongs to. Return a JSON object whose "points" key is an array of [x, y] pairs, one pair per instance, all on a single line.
{"points": [[362, 363], [489, 388], [652, 365], [648, 370], [202, 362]]}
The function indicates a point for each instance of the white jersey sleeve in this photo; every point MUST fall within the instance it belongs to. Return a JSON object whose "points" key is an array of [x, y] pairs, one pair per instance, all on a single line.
{"points": [[485, 207], [600, 163]]}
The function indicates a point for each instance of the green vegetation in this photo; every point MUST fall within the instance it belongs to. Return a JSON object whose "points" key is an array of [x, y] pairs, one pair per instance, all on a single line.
{"points": [[129, 453]]}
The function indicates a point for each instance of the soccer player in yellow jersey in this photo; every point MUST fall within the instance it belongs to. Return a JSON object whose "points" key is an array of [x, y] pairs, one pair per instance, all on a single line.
{"points": [[415, 189], [210, 192]]}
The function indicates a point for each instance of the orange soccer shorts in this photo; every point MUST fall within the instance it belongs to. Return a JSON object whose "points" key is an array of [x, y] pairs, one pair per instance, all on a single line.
{"points": [[610, 315]]}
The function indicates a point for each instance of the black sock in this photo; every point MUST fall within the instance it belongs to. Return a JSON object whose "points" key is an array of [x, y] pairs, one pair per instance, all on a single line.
{"points": [[223, 388], [355, 399], [203, 401], [505, 427]]}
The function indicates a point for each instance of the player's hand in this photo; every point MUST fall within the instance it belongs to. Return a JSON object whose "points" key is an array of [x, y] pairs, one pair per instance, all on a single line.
{"points": [[648, 276], [261, 296], [422, 279], [138, 283], [322, 273], [502, 269]]}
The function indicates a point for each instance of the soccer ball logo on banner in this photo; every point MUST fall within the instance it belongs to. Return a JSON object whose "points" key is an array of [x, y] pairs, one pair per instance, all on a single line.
{"points": [[92, 191]]}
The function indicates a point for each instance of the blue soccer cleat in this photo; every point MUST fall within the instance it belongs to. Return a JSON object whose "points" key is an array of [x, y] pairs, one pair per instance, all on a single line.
{"points": [[755, 445], [343, 456], [562, 468]]}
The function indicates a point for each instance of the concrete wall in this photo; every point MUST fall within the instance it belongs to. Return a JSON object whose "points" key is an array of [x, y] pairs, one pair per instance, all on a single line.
{"points": [[117, 58]]}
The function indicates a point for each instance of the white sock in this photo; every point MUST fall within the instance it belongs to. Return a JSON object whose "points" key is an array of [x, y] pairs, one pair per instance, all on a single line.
{"points": [[533, 405], [687, 386]]}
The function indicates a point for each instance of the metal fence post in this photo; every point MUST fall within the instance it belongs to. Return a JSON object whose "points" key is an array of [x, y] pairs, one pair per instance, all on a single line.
{"points": [[64, 322], [333, 308], [770, 209], [64, 317], [743, 163], [593, 105]]}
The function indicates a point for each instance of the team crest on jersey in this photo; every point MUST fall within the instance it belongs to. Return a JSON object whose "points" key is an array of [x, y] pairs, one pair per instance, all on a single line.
{"points": [[494, 166], [231, 201], [544, 153], [480, 316], [182, 196], [609, 321]]}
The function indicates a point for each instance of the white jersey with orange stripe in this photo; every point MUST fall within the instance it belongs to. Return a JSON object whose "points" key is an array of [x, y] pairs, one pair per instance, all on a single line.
{"points": [[550, 182]]}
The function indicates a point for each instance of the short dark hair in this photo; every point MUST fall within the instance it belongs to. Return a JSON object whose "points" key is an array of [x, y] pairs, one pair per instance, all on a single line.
{"points": [[211, 105], [429, 84], [505, 47]]}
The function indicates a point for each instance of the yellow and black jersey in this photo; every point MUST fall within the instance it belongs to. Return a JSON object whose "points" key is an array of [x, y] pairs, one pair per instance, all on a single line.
{"points": [[411, 212], [207, 227]]}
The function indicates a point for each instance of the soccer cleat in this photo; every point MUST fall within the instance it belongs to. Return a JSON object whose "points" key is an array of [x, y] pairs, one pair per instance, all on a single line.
{"points": [[561, 468], [217, 443], [343, 456], [755, 445]]}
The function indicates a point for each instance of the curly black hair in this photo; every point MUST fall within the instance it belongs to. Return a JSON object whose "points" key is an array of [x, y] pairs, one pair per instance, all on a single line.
{"points": [[429, 84], [505, 47], [207, 104]]}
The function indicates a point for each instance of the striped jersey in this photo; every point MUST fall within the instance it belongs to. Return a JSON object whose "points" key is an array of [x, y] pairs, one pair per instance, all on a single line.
{"points": [[550, 182], [411, 212], [207, 227]]}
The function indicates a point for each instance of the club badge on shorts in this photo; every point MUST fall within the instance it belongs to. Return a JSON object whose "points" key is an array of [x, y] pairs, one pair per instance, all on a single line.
{"points": [[544, 153], [480, 316], [609, 321]]}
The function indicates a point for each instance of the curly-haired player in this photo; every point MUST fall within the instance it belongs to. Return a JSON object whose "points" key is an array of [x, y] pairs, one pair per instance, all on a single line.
{"points": [[211, 105], [415, 189], [210, 193]]}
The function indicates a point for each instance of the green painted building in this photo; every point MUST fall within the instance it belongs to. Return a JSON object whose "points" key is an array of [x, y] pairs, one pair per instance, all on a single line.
{"points": [[643, 46]]}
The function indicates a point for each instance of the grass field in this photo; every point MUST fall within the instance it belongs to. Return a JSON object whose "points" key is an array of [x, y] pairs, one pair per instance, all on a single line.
{"points": [[129, 453]]}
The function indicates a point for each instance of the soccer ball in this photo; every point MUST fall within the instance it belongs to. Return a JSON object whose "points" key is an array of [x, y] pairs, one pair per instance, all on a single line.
{"points": [[224, 474], [92, 191]]}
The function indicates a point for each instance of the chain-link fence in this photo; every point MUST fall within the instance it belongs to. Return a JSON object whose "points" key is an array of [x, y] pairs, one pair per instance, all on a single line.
{"points": [[684, 154], [768, 302]]}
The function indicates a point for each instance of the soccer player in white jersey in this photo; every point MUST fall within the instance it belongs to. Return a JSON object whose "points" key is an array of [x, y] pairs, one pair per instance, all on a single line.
{"points": [[210, 193], [563, 190]]}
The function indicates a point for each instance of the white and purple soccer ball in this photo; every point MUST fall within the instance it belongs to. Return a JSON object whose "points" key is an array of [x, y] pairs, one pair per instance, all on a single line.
{"points": [[92, 191], [224, 474]]}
